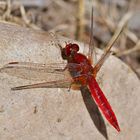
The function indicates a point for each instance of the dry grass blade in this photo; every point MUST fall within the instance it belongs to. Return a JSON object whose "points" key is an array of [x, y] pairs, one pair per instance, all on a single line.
{"points": [[7, 14], [126, 52], [23, 13], [131, 35], [26, 20]]}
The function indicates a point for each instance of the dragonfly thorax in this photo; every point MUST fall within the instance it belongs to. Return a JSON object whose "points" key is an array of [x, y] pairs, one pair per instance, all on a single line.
{"points": [[80, 68]]}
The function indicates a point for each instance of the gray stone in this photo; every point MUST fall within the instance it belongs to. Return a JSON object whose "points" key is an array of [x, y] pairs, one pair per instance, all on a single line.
{"points": [[56, 114]]}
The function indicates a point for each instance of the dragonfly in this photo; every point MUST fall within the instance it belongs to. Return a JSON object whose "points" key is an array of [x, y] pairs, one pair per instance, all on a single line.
{"points": [[80, 68]]}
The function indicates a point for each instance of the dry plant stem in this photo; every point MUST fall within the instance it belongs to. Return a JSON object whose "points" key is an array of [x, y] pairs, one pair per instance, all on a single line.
{"points": [[7, 15], [26, 20], [132, 5], [59, 28], [117, 33], [123, 41], [138, 72], [128, 33], [80, 20], [112, 27], [8, 11], [2, 5], [126, 52], [120, 28], [131, 35], [61, 4], [23, 13]]}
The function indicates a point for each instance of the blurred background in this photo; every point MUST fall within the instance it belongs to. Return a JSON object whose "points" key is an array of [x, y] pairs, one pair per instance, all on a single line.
{"points": [[72, 18]]}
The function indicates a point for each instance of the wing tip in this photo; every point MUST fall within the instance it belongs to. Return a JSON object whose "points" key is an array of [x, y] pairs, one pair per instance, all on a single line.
{"points": [[13, 62], [15, 88], [19, 88]]}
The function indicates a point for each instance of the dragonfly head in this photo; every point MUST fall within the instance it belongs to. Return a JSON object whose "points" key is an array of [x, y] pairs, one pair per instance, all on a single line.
{"points": [[69, 50]]}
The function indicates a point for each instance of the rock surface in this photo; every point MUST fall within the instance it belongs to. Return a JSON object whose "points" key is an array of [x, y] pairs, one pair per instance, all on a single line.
{"points": [[55, 114]]}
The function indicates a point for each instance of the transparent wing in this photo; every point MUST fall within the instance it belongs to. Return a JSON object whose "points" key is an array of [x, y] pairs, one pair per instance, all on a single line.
{"points": [[35, 71], [40, 72], [55, 75], [92, 50], [53, 84]]}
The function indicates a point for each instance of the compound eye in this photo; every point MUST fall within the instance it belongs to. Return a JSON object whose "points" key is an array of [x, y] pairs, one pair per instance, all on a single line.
{"points": [[70, 49], [75, 47]]}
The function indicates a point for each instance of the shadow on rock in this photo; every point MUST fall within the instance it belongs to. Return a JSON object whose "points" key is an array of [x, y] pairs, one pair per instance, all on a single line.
{"points": [[94, 112]]}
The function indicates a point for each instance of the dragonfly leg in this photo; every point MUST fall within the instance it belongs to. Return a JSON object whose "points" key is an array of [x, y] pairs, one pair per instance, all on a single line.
{"points": [[70, 87], [74, 86], [60, 47]]}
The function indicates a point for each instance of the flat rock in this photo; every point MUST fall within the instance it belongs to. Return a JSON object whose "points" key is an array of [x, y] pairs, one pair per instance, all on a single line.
{"points": [[56, 114]]}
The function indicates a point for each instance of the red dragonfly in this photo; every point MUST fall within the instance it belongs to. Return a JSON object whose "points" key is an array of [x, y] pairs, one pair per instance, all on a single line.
{"points": [[80, 68]]}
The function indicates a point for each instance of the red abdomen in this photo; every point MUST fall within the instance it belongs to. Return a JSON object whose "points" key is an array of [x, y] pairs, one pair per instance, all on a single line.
{"points": [[102, 102]]}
